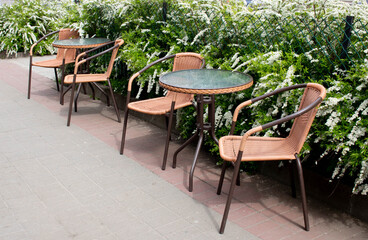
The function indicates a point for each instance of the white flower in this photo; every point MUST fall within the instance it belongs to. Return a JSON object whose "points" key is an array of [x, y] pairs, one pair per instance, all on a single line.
{"points": [[228, 117], [333, 120], [139, 90], [355, 134], [218, 116], [362, 106], [198, 36]]}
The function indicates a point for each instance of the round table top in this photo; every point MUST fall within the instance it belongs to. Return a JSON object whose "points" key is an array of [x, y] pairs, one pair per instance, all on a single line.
{"points": [[206, 81], [80, 42]]}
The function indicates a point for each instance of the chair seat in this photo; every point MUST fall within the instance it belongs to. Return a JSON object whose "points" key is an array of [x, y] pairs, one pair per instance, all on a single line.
{"points": [[52, 63], [84, 78], [256, 148], [158, 106]]}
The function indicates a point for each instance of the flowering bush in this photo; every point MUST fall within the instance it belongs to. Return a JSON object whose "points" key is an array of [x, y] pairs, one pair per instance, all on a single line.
{"points": [[25, 21], [278, 42]]}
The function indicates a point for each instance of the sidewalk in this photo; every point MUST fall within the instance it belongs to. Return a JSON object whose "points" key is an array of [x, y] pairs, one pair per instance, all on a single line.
{"points": [[61, 182]]}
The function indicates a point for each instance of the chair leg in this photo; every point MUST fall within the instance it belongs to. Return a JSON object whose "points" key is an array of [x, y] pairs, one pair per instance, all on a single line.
{"points": [[56, 80], [29, 78], [164, 160], [292, 179], [231, 192], [222, 176], [71, 103], [76, 97], [85, 91], [302, 192], [238, 179], [62, 83], [114, 101], [167, 119], [125, 124]]}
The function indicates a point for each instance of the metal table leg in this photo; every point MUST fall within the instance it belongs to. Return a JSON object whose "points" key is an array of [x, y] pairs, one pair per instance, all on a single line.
{"points": [[201, 127]]}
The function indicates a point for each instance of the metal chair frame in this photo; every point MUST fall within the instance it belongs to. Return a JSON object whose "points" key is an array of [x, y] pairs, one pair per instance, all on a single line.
{"points": [[241, 154], [83, 58], [61, 65]]}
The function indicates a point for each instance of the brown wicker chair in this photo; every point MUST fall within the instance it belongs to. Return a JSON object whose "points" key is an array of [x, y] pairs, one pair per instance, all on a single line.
{"points": [[63, 56], [76, 78], [252, 148], [163, 105]]}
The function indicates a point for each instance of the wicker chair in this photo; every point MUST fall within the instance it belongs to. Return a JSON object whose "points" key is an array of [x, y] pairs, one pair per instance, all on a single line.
{"points": [[63, 56], [236, 149], [163, 105], [76, 78]]}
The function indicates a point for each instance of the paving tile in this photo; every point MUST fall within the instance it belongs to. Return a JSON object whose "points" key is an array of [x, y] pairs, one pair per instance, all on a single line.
{"points": [[252, 220], [158, 217], [132, 228], [275, 233], [263, 227], [21, 235], [237, 214], [15, 190], [360, 236]]}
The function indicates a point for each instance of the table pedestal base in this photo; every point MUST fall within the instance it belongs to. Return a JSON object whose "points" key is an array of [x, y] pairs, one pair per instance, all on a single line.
{"points": [[201, 127]]}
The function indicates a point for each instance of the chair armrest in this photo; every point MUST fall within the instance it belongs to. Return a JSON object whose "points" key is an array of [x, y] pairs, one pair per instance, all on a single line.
{"points": [[279, 121], [34, 44], [79, 62], [135, 75], [253, 100]]}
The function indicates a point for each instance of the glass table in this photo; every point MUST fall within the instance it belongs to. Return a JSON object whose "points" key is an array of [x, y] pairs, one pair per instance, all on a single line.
{"points": [[205, 83], [79, 44]]}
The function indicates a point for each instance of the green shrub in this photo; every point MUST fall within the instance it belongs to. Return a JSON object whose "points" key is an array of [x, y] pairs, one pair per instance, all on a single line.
{"points": [[23, 23]]}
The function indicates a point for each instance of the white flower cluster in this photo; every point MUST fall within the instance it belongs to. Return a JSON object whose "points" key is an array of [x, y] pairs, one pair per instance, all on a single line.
{"points": [[359, 183], [355, 134], [361, 109], [200, 34], [224, 120], [333, 120], [139, 90], [151, 81]]}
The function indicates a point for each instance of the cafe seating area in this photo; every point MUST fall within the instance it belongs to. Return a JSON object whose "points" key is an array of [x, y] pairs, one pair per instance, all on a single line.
{"points": [[257, 207]]}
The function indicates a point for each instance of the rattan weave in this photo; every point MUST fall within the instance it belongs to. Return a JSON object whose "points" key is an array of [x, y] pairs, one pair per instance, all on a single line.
{"points": [[162, 105], [207, 91], [77, 46], [69, 54]]}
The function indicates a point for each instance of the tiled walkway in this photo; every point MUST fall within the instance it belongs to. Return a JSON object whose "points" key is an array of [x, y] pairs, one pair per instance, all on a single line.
{"points": [[59, 182]]}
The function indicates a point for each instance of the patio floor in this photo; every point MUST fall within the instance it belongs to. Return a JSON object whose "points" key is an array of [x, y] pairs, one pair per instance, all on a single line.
{"points": [[60, 182]]}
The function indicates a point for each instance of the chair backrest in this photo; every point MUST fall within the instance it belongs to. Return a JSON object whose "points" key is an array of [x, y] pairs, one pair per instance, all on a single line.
{"points": [[184, 61], [303, 123], [113, 56], [67, 33]]}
